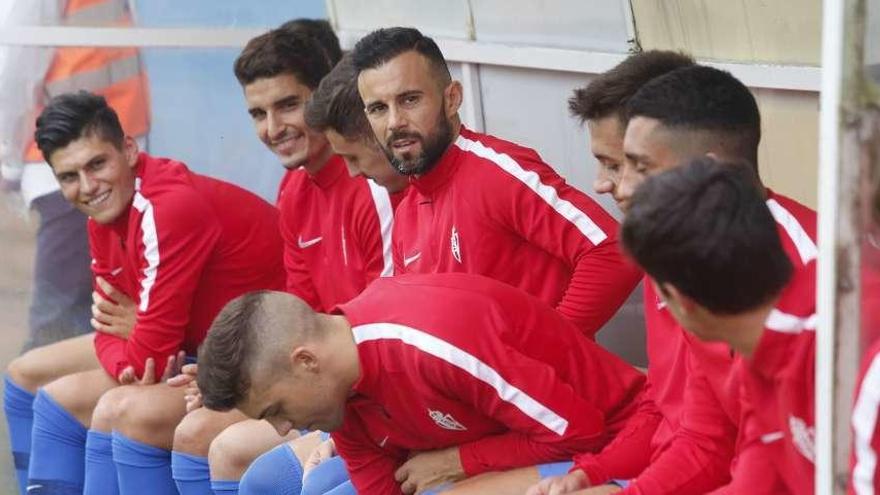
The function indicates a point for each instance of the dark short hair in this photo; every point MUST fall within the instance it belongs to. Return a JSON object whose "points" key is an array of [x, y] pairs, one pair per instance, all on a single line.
{"points": [[71, 116], [337, 105], [226, 353], [282, 51], [701, 98], [384, 44], [608, 93], [705, 228], [320, 30]]}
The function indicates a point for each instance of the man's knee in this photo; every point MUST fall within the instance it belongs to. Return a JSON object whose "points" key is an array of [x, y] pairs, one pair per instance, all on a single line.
{"points": [[29, 372], [236, 447], [226, 455], [108, 408], [40, 366], [148, 414], [199, 428]]}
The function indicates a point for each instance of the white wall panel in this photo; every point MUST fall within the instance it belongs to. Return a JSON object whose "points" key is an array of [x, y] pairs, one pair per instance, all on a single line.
{"points": [[446, 18], [582, 24]]}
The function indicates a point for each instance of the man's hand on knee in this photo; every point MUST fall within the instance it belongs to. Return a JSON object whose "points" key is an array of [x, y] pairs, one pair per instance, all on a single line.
{"points": [[172, 369], [115, 314], [187, 378], [325, 450], [560, 485], [429, 469]]}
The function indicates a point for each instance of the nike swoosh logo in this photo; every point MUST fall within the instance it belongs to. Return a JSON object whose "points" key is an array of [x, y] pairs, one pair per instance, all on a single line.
{"points": [[310, 242], [384, 440], [116, 271], [31, 488], [409, 260]]}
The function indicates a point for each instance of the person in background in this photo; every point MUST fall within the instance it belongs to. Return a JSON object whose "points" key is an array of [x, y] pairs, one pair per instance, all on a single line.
{"points": [[62, 299], [866, 410]]}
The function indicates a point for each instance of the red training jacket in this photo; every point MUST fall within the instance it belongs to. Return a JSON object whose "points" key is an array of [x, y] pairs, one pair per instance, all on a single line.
{"points": [[693, 393], [866, 427], [494, 208], [337, 234], [187, 245], [778, 386], [463, 360]]}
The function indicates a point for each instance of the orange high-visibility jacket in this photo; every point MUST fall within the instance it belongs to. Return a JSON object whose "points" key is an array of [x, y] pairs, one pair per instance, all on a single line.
{"points": [[115, 73]]}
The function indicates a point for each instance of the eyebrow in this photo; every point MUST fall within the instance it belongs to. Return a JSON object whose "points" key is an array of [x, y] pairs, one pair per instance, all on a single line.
{"points": [[286, 99], [410, 92], [639, 158], [98, 157], [92, 160]]}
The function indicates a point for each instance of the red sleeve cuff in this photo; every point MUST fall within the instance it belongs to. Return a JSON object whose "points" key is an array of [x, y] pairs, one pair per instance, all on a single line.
{"points": [[470, 462], [594, 471]]}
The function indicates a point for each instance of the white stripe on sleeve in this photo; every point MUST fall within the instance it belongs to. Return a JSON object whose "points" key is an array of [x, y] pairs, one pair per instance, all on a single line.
{"points": [[805, 246], [151, 245], [864, 422], [531, 180], [787, 323], [468, 363], [382, 201]]}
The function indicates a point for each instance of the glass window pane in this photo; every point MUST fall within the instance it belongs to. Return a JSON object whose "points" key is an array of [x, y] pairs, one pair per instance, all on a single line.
{"points": [[171, 13]]}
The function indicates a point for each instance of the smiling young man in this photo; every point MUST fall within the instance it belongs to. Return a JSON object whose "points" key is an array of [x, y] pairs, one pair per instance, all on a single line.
{"points": [[159, 235], [526, 389], [336, 109], [336, 230], [478, 204], [693, 392], [331, 223]]}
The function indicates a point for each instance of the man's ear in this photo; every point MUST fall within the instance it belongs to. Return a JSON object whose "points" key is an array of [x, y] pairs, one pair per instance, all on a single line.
{"points": [[303, 358], [453, 97], [674, 297], [130, 149]]}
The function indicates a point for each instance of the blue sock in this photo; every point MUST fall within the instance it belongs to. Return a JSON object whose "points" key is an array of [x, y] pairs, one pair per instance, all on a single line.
{"points": [[277, 471], [100, 476], [325, 477], [142, 468], [191, 474], [224, 487], [18, 404], [57, 449]]}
